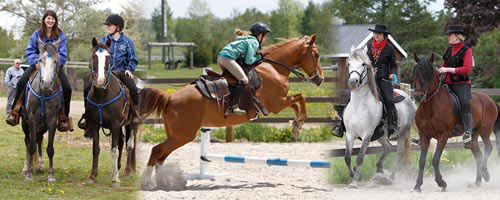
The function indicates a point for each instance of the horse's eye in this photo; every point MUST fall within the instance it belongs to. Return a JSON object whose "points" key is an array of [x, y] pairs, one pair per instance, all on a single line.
{"points": [[364, 64]]}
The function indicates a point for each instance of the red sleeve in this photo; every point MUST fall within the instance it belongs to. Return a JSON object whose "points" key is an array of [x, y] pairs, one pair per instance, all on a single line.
{"points": [[467, 67]]}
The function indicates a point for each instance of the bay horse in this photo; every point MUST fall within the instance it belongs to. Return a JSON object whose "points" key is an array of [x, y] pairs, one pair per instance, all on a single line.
{"points": [[363, 114], [186, 110], [42, 104], [435, 106], [107, 106]]}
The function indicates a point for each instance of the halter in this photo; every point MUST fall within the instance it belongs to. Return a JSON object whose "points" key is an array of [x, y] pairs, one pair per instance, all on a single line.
{"points": [[361, 75], [108, 74], [42, 98], [427, 90], [294, 70]]}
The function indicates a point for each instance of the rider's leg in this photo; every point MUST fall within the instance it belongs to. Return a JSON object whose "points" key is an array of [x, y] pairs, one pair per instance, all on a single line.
{"points": [[464, 95], [388, 99], [130, 83], [13, 118], [239, 74], [64, 125]]}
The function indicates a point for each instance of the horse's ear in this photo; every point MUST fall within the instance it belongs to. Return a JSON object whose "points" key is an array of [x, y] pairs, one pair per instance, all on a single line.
{"points": [[94, 42], [417, 59], [40, 43], [313, 39], [431, 59], [352, 48], [57, 43], [108, 43]]}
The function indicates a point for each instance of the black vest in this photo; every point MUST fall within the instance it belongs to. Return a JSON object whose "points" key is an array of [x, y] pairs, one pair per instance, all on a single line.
{"points": [[455, 61]]}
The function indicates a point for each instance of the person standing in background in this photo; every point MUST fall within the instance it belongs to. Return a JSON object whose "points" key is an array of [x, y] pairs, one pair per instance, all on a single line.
{"points": [[11, 77]]}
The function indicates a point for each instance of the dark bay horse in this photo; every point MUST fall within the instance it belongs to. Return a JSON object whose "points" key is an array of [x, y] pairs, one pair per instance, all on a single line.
{"points": [[42, 104], [185, 111], [435, 106], [107, 106]]}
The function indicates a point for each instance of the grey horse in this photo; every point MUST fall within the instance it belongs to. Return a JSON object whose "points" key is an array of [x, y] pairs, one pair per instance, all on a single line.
{"points": [[364, 112], [43, 101]]}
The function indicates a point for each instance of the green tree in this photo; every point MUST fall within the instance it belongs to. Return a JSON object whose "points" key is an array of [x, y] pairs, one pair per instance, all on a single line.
{"points": [[157, 23], [7, 43], [318, 19], [285, 21], [486, 73]]}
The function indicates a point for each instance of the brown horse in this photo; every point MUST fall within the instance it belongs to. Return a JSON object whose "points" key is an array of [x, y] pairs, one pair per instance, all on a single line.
{"points": [[185, 111], [435, 105]]}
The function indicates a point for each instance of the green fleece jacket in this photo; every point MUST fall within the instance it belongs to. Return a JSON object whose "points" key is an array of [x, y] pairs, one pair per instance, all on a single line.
{"points": [[244, 47]]}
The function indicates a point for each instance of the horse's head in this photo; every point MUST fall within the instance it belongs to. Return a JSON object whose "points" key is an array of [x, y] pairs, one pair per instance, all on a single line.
{"points": [[424, 74], [99, 63], [309, 60], [48, 63], [360, 68]]}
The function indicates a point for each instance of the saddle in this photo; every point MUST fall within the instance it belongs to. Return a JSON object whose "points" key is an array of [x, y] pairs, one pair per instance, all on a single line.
{"points": [[220, 88], [379, 131], [459, 125]]}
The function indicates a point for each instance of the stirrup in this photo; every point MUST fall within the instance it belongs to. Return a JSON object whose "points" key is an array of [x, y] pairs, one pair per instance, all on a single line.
{"points": [[337, 131], [238, 111], [63, 124], [12, 119], [466, 138], [393, 134], [82, 123]]}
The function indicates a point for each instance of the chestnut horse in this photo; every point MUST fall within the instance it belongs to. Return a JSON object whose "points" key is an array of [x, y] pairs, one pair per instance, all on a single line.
{"points": [[185, 111], [435, 105]]}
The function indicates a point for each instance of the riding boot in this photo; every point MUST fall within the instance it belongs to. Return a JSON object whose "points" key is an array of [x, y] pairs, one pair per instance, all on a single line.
{"points": [[63, 122], [137, 117], [393, 124], [234, 108], [13, 118], [338, 130], [466, 138]]}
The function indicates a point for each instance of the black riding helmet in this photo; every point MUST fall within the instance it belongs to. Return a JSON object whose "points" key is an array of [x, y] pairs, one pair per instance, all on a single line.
{"points": [[116, 20], [259, 28]]}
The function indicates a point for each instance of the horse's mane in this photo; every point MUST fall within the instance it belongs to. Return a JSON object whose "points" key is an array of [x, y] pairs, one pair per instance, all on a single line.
{"points": [[268, 49], [360, 54], [424, 72]]}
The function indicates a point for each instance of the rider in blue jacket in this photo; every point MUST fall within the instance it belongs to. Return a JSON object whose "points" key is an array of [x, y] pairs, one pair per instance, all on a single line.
{"points": [[123, 62], [49, 32]]}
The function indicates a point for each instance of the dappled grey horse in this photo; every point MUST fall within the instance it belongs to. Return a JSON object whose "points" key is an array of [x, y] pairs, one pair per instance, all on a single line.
{"points": [[364, 112], [42, 104]]}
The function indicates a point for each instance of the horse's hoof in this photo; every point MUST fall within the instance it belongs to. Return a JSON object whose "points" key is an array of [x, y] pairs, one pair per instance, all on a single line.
{"points": [[352, 186], [379, 179], [90, 181], [39, 170], [115, 184], [51, 180], [148, 186], [444, 185], [478, 183], [486, 175], [417, 190], [28, 179]]}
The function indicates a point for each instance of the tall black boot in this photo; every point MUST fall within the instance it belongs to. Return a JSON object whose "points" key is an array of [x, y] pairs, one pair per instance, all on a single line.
{"points": [[468, 127], [338, 130], [234, 108], [393, 124]]}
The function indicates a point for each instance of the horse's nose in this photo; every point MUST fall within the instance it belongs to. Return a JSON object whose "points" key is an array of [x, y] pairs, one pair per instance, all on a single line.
{"points": [[100, 81], [353, 82]]}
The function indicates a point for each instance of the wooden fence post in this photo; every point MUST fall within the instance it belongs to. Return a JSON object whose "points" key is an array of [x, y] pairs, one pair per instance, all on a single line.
{"points": [[229, 134]]}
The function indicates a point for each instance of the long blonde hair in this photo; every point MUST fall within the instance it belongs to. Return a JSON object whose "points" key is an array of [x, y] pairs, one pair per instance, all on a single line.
{"points": [[240, 32]]}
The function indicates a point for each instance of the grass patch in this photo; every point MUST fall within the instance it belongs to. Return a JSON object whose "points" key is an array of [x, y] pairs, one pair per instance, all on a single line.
{"points": [[72, 165], [252, 133]]}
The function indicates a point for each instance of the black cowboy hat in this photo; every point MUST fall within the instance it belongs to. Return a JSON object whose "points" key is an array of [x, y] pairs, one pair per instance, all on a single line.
{"points": [[380, 28], [456, 29]]}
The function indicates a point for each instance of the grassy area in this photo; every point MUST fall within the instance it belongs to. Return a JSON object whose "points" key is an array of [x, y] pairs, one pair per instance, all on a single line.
{"points": [[72, 163]]}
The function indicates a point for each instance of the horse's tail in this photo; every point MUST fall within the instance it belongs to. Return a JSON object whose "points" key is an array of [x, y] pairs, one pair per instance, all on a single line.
{"points": [[496, 130], [152, 100]]}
